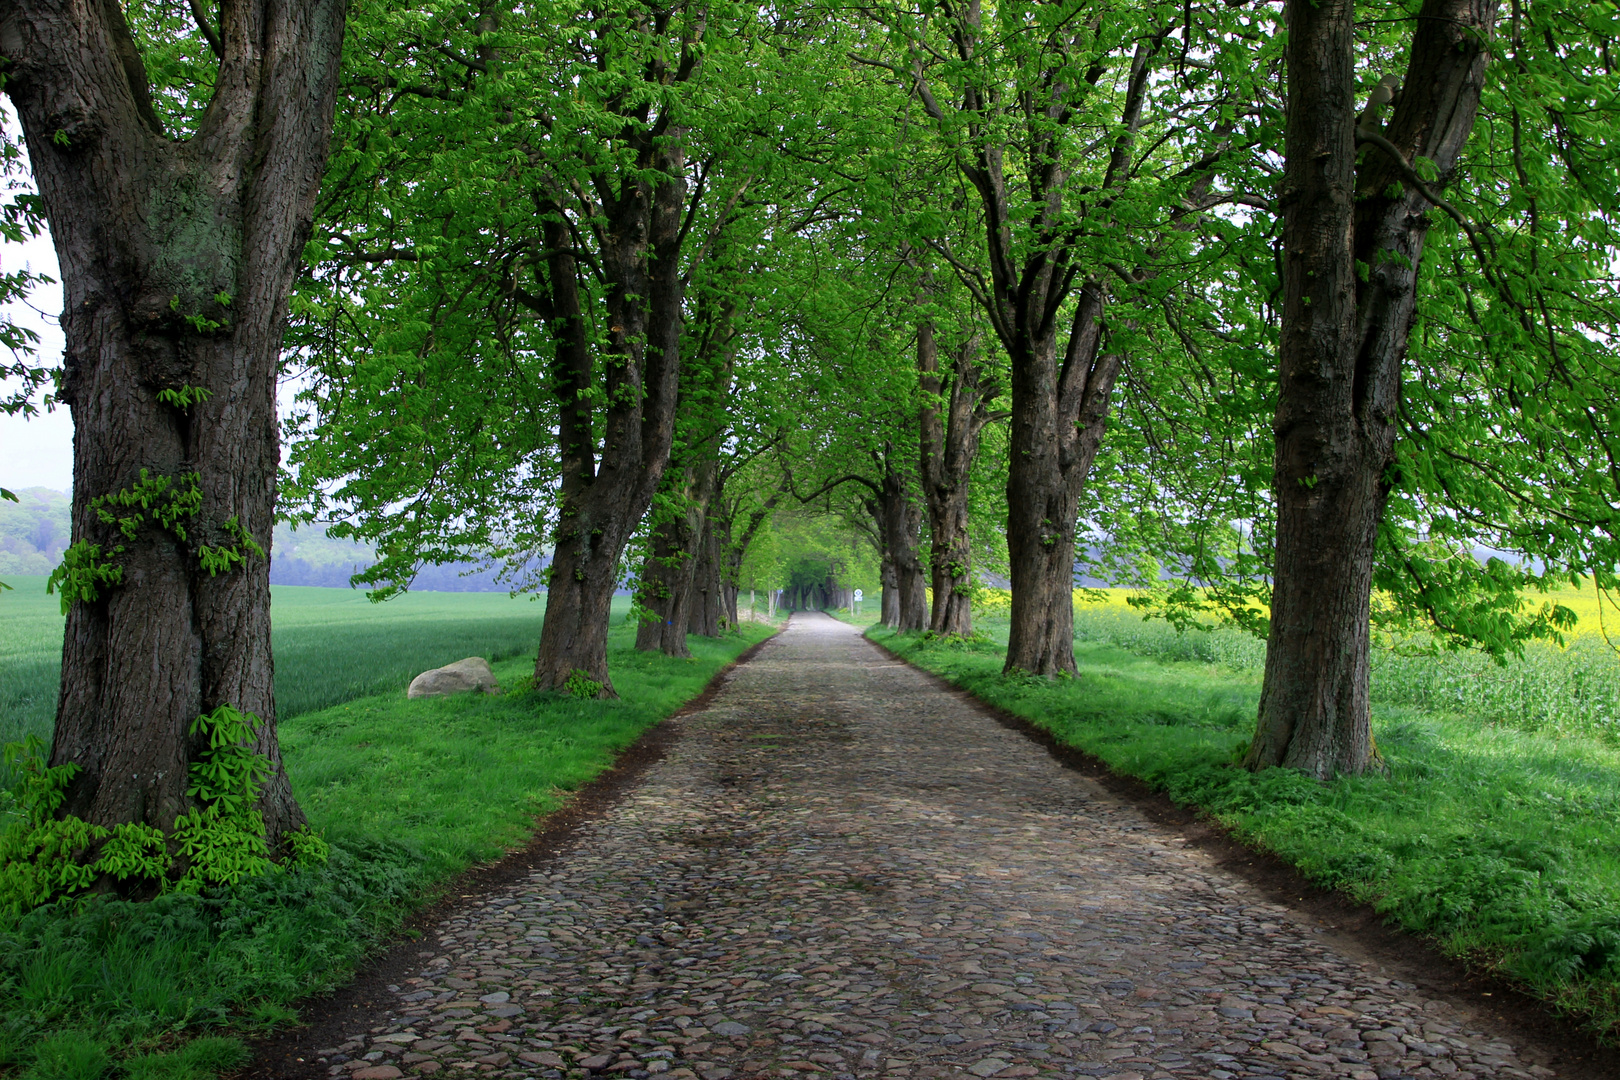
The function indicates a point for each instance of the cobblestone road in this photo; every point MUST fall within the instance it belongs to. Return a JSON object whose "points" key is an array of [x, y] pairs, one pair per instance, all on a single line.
{"points": [[841, 869]]}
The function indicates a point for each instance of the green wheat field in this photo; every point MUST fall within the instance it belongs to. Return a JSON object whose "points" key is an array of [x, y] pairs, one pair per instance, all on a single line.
{"points": [[331, 645]]}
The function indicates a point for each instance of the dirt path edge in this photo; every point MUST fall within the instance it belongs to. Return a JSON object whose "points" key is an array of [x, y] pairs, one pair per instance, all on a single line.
{"points": [[1496, 1005], [366, 1000]]}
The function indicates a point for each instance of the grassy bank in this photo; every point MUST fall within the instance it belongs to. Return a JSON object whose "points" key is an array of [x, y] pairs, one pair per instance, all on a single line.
{"points": [[408, 793], [1493, 834], [330, 645]]}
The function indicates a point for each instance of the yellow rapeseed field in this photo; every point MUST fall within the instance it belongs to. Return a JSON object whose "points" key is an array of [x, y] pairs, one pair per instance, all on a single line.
{"points": [[1595, 613]]}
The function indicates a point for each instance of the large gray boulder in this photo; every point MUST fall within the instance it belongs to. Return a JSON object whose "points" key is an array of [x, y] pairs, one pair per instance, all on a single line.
{"points": [[461, 677]]}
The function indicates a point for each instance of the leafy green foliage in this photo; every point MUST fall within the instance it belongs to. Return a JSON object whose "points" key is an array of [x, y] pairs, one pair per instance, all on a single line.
{"points": [[223, 838], [580, 685], [221, 558], [185, 397], [168, 501], [220, 841], [83, 574], [42, 856]]}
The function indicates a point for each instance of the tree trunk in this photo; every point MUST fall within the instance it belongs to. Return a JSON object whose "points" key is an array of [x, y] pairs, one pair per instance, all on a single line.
{"points": [[665, 586], [707, 611], [1343, 342], [1058, 411], [731, 550], [902, 526], [602, 501], [948, 444], [673, 575], [889, 603], [1057, 427], [177, 258]]}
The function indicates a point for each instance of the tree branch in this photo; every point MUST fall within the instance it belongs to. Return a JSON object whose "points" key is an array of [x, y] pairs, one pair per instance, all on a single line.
{"points": [[1409, 176], [201, 16]]}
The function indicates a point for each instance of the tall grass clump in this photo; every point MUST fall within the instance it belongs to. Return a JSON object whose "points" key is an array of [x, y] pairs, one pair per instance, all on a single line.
{"points": [[1567, 691]]}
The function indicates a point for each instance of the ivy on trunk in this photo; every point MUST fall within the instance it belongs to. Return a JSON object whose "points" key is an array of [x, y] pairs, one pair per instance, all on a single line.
{"points": [[177, 258]]}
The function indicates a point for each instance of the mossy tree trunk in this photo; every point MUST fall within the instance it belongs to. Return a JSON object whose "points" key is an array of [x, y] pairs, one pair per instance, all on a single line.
{"points": [[177, 256]]}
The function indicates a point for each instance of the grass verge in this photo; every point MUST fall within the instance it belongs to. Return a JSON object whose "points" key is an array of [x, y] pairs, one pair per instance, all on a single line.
{"points": [[1497, 843], [409, 793]]}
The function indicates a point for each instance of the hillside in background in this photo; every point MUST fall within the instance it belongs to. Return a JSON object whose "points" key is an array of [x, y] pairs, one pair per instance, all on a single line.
{"points": [[34, 532]]}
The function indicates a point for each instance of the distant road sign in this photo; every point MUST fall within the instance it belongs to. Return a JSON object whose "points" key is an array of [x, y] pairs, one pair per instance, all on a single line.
{"points": [[858, 595]]}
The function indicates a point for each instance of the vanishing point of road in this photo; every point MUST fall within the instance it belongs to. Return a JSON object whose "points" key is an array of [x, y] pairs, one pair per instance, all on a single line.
{"points": [[841, 868]]}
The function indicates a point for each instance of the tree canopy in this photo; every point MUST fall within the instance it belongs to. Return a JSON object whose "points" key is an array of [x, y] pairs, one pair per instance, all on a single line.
{"points": [[1300, 317]]}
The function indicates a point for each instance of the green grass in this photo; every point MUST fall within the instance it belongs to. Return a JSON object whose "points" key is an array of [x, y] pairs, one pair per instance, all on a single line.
{"points": [[409, 793], [330, 645], [1561, 691], [30, 658], [1495, 839]]}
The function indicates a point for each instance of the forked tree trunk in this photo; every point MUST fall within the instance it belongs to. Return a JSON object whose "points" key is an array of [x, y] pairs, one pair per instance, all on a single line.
{"points": [[678, 578], [603, 500], [665, 585], [1343, 342], [1057, 427], [670, 578], [177, 258], [953, 413], [1060, 395]]}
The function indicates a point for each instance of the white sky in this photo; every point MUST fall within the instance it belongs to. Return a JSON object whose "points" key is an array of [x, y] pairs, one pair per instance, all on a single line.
{"points": [[37, 452]]}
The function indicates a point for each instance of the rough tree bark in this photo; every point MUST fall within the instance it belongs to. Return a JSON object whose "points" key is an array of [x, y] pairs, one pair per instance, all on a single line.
{"points": [[639, 232], [1060, 392], [671, 567], [889, 607], [954, 411], [902, 541], [1343, 342], [707, 613], [177, 257]]}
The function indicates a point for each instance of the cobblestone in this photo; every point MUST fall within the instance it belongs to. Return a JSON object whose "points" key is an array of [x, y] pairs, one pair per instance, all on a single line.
{"points": [[842, 871]]}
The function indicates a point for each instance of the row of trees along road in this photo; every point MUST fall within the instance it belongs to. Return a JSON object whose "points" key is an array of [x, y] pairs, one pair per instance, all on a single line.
{"points": [[1305, 317]]}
